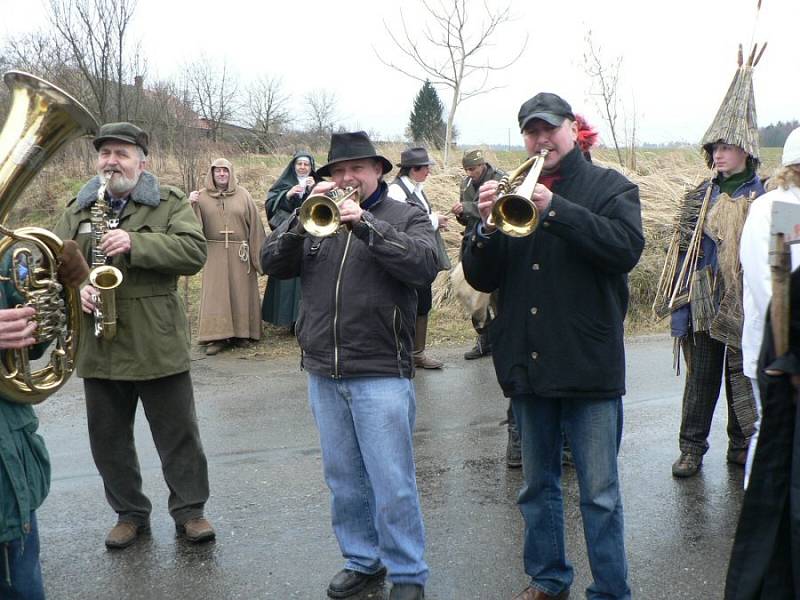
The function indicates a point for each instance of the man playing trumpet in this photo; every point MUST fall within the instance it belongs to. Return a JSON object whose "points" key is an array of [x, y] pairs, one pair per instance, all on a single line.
{"points": [[557, 344], [356, 332]]}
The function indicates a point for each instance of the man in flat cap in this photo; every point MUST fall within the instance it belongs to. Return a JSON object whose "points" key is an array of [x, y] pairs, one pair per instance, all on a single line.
{"points": [[148, 232], [557, 344], [356, 331]]}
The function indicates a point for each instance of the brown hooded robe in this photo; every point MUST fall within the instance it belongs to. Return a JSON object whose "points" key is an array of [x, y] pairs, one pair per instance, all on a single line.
{"points": [[230, 305]]}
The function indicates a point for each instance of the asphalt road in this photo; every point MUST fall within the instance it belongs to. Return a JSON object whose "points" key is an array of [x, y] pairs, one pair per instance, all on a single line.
{"points": [[270, 504]]}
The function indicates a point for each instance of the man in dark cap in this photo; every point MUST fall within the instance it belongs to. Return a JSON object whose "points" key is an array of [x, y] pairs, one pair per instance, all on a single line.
{"points": [[415, 166], [557, 344], [151, 235], [355, 330], [478, 171]]}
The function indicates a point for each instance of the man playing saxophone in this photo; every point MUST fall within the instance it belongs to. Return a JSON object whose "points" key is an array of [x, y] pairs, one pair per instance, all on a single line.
{"points": [[152, 237], [557, 344]]}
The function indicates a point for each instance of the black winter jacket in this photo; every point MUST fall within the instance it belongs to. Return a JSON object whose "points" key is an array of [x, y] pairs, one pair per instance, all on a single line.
{"points": [[563, 291], [359, 294]]}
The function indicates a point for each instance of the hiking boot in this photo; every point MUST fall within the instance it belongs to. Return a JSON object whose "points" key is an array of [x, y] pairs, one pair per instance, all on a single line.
{"points": [[196, 530], [687, 465], [123, 534], [423, 361]]}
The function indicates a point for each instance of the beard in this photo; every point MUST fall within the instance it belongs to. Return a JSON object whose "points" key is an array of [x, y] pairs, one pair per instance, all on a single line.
{"points": [[118, 184]]}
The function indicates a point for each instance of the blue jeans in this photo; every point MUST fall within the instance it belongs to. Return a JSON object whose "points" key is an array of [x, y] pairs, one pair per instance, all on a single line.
{"points": [[593, 429], [20, 570], [365, 426]]}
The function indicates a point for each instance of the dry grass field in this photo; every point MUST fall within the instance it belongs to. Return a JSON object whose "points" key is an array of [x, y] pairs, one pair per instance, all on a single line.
{"points": [[662, 176]]}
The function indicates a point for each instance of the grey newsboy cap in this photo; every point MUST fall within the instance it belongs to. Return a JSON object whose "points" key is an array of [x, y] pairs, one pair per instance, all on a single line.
{"points": [[550, 108], [122, 132], [415, 157]]}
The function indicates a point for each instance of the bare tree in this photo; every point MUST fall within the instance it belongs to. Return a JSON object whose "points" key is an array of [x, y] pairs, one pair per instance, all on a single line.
{"points": [[320, 111], [214, 91], [454, 47], [267, 107], [605, 79], [95, 34]]}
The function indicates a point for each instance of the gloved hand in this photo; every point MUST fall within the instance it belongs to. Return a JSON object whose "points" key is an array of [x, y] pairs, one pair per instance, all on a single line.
{"points": [[72, 269]]}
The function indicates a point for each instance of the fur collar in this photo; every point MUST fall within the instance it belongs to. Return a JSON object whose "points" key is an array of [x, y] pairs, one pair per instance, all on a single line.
{"points": [[146, 192]]}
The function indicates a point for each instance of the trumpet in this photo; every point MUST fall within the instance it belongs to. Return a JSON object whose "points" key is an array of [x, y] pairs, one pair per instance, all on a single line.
{"points": [[319, 213], [514, 213]]}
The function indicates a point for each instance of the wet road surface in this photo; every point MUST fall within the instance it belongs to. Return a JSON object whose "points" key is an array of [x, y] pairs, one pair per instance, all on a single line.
{"points": [[269, 503]]}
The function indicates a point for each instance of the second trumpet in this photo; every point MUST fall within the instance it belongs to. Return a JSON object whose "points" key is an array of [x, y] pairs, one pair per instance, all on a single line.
{"points": [[514, 213]]}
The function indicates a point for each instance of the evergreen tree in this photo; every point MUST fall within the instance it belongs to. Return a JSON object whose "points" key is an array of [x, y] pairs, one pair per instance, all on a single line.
{"points": [[426, 124]]}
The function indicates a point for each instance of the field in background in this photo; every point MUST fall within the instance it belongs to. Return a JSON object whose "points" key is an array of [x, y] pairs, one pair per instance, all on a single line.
{"points": [[662, 176]]}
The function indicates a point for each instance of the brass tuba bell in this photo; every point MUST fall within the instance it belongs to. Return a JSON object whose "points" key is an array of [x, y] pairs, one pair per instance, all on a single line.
{"points": [[41, 119], [319, 213], [514, 213]]}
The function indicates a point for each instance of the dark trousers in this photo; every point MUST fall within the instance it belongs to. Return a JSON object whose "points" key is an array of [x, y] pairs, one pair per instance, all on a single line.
{"points": [[707, 360], [20, 569], [424, 301], [765, 560], [169, 407]]}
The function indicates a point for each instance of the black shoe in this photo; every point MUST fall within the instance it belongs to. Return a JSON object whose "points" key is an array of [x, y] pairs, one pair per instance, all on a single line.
{"points": [[687, 465], [479, 350], [407, 591], [347, 583]]}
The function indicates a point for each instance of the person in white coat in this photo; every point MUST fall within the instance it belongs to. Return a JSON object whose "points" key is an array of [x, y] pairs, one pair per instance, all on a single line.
{"points": [[784, 186]]}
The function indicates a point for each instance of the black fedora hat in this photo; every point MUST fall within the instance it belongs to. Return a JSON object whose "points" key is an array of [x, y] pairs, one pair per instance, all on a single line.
{"points": [[415, 157], [354, 145]]}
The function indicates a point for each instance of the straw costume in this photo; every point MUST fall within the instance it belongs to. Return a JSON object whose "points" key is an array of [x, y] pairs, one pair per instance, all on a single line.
{"points": [[701, 284]]}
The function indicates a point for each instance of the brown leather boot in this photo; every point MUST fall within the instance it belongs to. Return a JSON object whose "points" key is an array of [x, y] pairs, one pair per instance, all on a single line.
{"points": [[421, 361], [196, 530], [123, 534]]}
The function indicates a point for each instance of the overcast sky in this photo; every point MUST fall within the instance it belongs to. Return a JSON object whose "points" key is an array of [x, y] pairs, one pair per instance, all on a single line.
{"points": [[678, 57]]}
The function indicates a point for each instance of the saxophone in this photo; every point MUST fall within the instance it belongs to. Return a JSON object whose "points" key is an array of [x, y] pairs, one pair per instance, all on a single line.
{"points": [[103, 277]]}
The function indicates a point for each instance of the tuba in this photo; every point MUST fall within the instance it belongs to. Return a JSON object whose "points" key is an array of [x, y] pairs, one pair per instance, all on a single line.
{"points": [[514, 213], [41, 119], [319, 213]]}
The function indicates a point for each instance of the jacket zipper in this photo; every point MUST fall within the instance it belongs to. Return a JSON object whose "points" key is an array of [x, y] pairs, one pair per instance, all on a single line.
{"points": [[397, 342], [336, 374]]}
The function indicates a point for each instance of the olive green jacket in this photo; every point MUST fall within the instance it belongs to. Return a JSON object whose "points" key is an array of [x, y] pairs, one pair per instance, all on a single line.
{"points": [[167, 241], [469, 196]]}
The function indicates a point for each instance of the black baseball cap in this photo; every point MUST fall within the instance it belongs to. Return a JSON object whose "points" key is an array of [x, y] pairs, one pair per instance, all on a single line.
{"points": [[550, 108]]}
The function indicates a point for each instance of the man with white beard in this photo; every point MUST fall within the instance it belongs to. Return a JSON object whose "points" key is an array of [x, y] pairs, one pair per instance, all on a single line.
{"points": [[149, 232]]}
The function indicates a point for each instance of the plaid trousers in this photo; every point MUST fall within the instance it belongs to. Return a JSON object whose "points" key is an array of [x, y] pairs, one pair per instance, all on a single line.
{"points": [[707, 360]]}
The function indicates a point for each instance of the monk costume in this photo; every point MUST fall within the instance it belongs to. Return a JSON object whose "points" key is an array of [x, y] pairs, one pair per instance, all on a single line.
{"points": [[229, 309]]}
